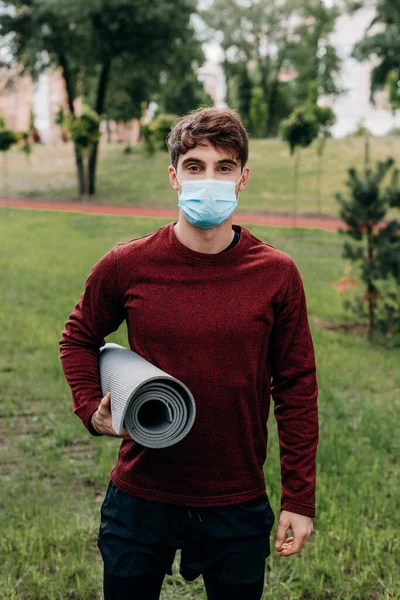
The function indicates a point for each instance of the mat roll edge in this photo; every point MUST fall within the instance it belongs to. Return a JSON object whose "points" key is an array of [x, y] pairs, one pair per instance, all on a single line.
{"points": [[134, 382]]}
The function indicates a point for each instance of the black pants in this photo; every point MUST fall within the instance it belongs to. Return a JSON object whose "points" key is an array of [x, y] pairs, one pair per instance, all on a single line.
{"points": [[227, 545], [148, 587]]}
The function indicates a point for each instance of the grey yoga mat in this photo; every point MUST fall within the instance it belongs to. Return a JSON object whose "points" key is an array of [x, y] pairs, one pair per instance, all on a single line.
{"points": [[156, 409]]}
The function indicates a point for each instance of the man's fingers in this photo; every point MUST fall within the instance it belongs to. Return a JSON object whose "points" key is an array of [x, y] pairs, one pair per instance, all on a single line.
{"points": [[296, 545], [104, 412], [281, 533]]}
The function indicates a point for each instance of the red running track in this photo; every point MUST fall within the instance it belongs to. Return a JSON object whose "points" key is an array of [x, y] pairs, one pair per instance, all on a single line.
{"points": [[271, 219]]}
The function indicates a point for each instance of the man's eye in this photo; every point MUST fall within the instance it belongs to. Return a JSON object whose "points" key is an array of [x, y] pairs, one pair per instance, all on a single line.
{"points": [[193, 167], [228, 168]]}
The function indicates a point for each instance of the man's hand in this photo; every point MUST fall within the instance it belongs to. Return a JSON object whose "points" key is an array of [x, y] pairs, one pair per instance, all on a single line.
{"points": [[302, 528], [102, 419]]}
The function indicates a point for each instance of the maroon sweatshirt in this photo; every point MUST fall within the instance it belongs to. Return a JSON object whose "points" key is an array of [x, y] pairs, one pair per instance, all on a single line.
{"points": [[233, 327]]}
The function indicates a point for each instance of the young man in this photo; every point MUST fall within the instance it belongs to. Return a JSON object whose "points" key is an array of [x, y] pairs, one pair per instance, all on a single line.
{"points": [[211, 304]]}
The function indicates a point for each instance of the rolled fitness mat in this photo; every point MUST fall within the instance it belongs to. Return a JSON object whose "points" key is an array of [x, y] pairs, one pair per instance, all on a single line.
{"points": [[156, 409]]}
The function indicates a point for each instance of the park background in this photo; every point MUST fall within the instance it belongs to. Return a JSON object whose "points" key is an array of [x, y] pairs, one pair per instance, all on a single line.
{"points": [[88, 92]]}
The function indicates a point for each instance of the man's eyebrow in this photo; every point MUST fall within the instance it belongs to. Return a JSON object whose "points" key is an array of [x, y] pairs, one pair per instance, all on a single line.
{"points": [[201, 162]]}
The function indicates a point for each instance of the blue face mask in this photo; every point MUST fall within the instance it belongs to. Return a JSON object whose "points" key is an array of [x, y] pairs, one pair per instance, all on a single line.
{"points": [[207, 203]]}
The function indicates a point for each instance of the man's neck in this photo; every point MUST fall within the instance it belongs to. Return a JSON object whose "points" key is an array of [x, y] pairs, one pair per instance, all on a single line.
{"points": [[207, 241]]}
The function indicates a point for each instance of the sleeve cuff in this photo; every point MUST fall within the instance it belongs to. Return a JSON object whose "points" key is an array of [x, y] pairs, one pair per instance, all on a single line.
{"points": [[300, 509], [92, 428]]}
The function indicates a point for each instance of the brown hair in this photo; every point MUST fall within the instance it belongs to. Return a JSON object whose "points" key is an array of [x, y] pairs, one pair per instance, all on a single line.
{"points": [[220, 127]]}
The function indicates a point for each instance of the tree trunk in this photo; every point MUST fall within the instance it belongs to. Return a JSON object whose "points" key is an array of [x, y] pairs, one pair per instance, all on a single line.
{"points": [[321, 143], [92, 163], [101, 96], [271, 105], [295, 179], [264, 68], [5, 172], [366, 153], [108, 131], [80, 167], [128, 137], [370, 285], [225, 69]]}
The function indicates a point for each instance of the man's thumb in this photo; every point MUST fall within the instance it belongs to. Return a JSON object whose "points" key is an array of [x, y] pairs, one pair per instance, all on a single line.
{"points": [[106, 400], [280, 535]]}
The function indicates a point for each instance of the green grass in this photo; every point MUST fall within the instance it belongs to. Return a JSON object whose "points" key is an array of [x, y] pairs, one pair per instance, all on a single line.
{"points": [[54, 474], [141, 181]]}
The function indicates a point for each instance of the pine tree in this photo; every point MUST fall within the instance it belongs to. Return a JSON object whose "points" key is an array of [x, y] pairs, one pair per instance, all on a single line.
{"points": [[376, 249]]}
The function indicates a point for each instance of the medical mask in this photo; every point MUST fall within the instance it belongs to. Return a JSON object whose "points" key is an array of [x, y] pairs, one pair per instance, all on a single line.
{"points": [[207, 203]]}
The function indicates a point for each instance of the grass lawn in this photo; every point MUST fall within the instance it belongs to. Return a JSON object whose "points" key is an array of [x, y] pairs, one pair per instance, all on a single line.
{"points": [[141, 181], [54, 474]]}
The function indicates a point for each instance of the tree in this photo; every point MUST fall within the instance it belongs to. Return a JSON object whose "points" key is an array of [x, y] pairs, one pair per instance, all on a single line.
{"points": [[179, 88], [85, 39], [383, 46], [182, 95], [375, 250], [325, 118], [85, 133], [26, 146], [8, 138], [128, 94], [272, 35], [32, 129], [241, 92], [312, 56], [155, 133], [258, 112], [393, 81], [299, 130]]}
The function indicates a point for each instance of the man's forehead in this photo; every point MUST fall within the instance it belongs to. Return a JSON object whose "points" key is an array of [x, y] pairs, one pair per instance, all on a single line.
{"points": [[207, 153]]}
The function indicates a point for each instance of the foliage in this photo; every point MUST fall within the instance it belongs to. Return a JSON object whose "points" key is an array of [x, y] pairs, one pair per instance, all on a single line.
{"points": [[300, 129], [180, 95], [85, 129], [155, 133], [324, 115], [241, 87], [33, 130], [375, 250], [60, 116], [273, 37], [394, 89], [387, 315], [325, 118], [146, 134], [86, 39], [312, 55], [8, 138], [383, 46], [360, 130], [393, 132], [130, 90], [258, 112], [26, 146]]}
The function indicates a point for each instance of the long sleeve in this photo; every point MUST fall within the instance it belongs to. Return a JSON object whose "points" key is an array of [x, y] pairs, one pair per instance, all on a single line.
{"points": [[98, 313], [294, 390]]}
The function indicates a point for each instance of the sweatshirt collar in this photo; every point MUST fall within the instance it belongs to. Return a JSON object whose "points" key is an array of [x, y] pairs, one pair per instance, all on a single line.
{"points": [[204, 258]]}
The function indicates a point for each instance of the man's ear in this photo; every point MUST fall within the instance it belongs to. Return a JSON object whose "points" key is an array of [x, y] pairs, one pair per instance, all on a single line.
{"points": [[173, 179], [245, 179]]}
